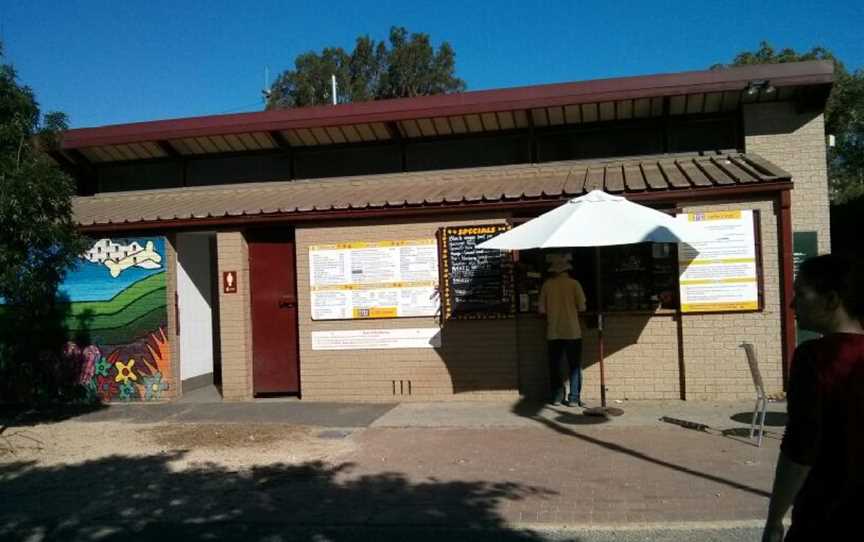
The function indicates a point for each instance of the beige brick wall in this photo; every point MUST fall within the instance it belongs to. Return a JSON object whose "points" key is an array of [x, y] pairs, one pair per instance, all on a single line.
{"points": [[715, 365], [796, 142], [477, 360], [235, 322], [497, 359], [174, 389], [640, 358]]}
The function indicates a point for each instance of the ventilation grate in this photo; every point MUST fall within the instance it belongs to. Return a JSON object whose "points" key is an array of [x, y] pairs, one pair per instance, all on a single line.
{"points": [[401, 387]]}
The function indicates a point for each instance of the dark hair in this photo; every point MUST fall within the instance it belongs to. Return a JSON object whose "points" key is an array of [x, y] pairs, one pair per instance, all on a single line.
{"points": [[842, 275]]}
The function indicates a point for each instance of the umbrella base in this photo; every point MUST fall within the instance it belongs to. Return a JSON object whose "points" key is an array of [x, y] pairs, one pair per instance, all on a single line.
{"points": [[603, 411]]}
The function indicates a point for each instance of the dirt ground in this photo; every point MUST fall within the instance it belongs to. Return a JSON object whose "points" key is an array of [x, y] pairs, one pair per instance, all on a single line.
{"points": [[235, 446]]}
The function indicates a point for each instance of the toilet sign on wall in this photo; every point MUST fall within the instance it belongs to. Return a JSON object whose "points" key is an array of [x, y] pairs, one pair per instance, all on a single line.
{"points": [[229, 282]]}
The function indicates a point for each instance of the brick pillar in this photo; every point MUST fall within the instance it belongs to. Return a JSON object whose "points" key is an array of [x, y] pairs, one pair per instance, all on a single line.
{"points": [[795, 141], [235, 322], [174, 388]]}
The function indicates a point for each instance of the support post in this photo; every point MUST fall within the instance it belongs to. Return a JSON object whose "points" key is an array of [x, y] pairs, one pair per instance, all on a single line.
{"points": [[784, 236]]}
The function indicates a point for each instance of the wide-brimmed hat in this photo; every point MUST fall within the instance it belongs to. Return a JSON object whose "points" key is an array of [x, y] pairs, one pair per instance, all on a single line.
{"points": [[558, 263]]}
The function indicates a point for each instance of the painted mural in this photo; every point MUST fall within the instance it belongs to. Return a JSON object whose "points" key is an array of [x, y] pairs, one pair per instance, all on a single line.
{"points": [[117, 318]]}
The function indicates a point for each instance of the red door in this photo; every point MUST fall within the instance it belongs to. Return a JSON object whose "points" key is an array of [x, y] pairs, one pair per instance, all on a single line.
{"points": [[273, 275]]}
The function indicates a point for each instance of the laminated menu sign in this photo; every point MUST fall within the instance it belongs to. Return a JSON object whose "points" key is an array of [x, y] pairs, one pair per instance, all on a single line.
{"points": [[720, 275], [476, 284], [386, 279]]}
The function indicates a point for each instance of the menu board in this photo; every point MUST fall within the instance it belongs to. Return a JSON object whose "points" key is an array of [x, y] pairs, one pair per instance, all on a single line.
{"points": [[720, 275], [477, 284], [387, 279]]}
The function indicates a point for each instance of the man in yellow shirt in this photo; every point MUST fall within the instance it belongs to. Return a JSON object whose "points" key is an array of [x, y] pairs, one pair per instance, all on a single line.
{"points": [[561, 301]]}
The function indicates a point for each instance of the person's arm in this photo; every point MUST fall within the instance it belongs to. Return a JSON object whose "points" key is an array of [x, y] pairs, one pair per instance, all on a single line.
{"points": [[789, 478], [541, 303], [801, 441], [580, 297]]}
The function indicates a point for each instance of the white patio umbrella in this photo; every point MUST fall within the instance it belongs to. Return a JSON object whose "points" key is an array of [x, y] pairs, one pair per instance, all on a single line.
{"points": [[594, 220]]}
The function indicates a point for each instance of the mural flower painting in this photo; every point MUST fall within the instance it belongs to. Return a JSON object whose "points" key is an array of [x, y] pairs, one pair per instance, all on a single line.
{"points": [[128, 391], [91, 394], [160, 351], [124, 371], [88, 369], [153, 386], [106, 388], [102, 367]]}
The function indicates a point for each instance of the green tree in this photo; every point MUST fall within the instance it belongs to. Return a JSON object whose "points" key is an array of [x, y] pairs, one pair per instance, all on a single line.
{"points": [[844, 116], [409, 66], [38, 239]]}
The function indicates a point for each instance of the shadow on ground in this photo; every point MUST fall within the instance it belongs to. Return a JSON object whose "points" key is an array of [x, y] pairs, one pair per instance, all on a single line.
{"points": [[531, 409], [772, 419], [143, 498], [21, 415], [744, 435]]}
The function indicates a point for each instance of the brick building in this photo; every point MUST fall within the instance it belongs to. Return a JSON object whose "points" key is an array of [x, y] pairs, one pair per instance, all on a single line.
{"points": [[250, 218]]}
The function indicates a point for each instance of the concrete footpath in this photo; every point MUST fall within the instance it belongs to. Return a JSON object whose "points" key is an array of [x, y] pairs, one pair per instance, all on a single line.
{"points": [[520, 471]]}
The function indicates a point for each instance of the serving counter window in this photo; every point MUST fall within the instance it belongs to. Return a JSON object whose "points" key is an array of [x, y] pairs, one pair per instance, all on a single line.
{"points": [[635, 278], [641, 277], [721, 275], [531, 269]]}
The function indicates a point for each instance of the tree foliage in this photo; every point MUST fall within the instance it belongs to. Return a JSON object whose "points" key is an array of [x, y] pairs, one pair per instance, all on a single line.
{"points": [[38, 240], [844, 116], [406, 66]]}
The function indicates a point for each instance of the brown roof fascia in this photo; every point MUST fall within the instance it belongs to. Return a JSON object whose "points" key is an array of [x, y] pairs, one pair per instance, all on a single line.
{"points": [[520, 98], [691, 195]]}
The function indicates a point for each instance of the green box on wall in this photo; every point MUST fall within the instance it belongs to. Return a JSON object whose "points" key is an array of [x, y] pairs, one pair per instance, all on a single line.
{"points": [[805, 244]]}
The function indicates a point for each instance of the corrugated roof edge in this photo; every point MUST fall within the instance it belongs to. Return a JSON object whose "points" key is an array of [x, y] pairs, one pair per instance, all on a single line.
{"points": [[682, 176], [816, 72]]}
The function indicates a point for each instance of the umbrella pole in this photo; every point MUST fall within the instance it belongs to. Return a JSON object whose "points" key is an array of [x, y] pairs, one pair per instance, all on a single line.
{"points": [[600, 350], [602, 410], [598, 269]]}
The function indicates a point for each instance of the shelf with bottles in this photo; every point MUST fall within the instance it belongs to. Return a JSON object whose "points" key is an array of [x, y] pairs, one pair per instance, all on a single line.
{"points": [[640, 278]]}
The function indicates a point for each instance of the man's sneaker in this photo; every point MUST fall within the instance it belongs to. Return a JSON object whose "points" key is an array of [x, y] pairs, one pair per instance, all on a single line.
{"points": [[569, 403]]}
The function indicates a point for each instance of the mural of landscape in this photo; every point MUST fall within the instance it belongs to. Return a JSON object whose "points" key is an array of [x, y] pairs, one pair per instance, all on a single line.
{"points": [[116, 319]]}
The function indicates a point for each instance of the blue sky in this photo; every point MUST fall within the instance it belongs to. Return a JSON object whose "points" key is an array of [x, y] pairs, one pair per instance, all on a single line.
{"points": [[108, 62]]}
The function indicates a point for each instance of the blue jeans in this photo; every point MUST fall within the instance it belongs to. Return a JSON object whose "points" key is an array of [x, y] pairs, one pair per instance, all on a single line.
{"points": [[572, 351]]}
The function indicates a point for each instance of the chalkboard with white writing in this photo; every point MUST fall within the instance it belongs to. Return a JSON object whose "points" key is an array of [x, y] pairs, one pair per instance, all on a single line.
{"points": [[476, 284]]}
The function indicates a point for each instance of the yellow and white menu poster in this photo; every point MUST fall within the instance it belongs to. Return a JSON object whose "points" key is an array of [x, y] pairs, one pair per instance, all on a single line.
{"points": [[719, 275], [385, 279]]}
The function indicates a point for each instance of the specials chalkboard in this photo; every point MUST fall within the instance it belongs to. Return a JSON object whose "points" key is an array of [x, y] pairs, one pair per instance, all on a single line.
{"points": [[476, 284]]}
